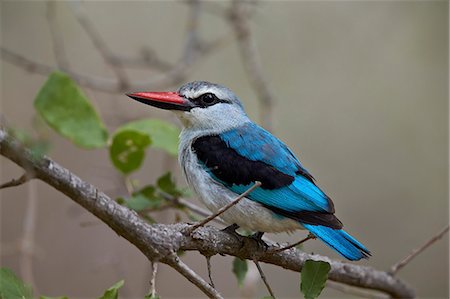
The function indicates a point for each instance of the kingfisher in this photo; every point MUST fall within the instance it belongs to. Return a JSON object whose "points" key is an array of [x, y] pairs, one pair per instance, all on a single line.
{"points": [[223, 153]]}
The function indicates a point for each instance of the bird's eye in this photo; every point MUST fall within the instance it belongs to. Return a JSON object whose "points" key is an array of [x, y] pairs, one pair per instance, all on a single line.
{"points": [[207, 99]]}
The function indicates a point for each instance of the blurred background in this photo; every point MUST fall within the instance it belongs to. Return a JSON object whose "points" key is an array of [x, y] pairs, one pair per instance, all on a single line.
{"points": [[360, 94]]}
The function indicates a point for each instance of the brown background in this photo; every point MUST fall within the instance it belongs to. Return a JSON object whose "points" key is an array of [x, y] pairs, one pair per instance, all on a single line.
{"points": [[362, 99]]}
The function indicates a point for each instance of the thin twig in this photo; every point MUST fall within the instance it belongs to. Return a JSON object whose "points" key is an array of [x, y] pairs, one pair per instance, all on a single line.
{"points": [[208, 264], [193, 50], [26, 243], [263, 277], [57, 40], [147, 59], [183, 269], [239, 20], [93, 82], [356, 291], [153, 280], [100, 44], [224, 208], [16, 182], [56, 37], [309, 237], [403, 262]]}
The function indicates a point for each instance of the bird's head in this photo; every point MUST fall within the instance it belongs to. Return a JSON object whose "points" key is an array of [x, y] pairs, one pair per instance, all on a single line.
{"points": [[199, 105]]}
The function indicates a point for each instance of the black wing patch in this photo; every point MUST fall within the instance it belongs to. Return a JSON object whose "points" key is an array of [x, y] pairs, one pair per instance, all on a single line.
{"points": [[231, 168], [309, 217]]}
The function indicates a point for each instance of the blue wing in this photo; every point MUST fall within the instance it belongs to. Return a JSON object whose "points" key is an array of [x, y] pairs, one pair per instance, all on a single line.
{"points": [[239, 157]]}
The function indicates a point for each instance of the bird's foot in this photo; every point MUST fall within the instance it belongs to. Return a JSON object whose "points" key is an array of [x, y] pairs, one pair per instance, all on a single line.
{"points": [[231, 229], [257, 237]]}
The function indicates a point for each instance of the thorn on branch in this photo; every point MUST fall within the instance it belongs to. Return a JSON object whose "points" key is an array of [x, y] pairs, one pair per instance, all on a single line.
{"points": [[224, 208]]}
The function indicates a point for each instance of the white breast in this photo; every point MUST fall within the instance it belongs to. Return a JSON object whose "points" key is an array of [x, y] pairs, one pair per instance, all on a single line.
{"points": [[247, 214]]}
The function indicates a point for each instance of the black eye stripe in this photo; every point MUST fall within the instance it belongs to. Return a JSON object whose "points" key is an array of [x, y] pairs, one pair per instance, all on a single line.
{"points": [[206, 100]]}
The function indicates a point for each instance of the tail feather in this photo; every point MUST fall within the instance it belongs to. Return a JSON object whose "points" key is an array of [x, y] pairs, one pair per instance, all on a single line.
{"points": [[340, 241]]}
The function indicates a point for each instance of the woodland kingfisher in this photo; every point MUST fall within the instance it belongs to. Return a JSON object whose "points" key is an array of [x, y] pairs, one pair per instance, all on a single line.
{"points": [[223, 153]]}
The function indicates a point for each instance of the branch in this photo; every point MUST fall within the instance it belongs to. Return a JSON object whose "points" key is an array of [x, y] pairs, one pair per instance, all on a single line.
{"points": [[309, 237], [57, 40], [175, 262], [192, 51], [16, 182], [159, 242], [396, 267], [208, 266], [26, 243], [100, 44], [153, 280], [356, 291], [239, 19], [93, 82], [263, 277]]}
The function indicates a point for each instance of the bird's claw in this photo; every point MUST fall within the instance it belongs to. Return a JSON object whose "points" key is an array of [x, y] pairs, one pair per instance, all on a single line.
{"points": [[231, 229], [257, 237]]}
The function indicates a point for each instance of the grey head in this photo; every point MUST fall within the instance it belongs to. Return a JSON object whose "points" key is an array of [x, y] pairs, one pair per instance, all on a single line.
{"points": [[200, 105], [203, 93]]}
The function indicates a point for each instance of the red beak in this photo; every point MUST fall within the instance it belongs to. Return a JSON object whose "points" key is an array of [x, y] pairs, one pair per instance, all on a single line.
{"points": [[163, 100]]}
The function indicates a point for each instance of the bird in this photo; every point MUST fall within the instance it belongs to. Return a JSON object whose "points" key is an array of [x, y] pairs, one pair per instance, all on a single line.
{"points": [[222, 153]]}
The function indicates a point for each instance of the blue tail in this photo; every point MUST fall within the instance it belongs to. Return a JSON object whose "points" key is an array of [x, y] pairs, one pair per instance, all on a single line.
{"points": [[340, 241]]}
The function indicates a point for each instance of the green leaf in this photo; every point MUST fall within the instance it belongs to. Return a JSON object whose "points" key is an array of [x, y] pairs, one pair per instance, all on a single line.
{"points": [[151, 297], [112, 292], [62, 104], [127, 150], [149, 192], [144, 199], [314, 276], [167, 184], [138, 203], [121, 200], [164, 135], [12, 287], [240, 269]]}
